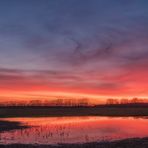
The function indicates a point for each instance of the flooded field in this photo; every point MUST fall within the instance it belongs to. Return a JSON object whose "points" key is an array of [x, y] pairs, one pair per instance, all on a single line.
{"points": [[54, 130]]}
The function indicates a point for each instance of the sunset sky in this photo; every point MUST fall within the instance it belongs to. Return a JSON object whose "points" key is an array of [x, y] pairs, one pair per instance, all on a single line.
{"points": [[73, 48]]}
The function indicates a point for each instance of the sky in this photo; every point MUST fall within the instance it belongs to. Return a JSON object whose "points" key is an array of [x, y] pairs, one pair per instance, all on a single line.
{"points": [[77, 48]]}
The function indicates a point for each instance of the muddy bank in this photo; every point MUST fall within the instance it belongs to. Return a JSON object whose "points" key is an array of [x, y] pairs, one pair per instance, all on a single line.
{"points": [[7, 126], [127, 143]]}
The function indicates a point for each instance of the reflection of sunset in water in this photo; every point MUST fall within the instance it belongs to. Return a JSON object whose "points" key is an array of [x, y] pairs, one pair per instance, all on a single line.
{"points": [[54, 130]]}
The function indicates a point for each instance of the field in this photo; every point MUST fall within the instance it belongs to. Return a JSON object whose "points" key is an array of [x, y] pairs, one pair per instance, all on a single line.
{"points": [[73, 111]]}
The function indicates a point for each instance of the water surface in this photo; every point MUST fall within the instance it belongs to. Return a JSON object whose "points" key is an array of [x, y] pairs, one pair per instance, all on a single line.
{"points": [[54, 130]]}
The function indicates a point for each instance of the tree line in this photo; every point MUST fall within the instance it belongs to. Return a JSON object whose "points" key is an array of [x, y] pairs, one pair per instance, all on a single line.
{"points": [[55, 102], [135, 100]]}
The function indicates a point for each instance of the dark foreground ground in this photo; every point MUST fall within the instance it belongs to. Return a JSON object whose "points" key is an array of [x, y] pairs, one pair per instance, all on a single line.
{"points": [[116, 110], [127, 143]]}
